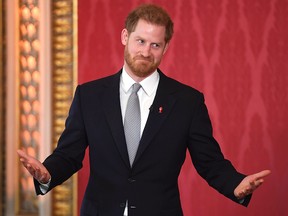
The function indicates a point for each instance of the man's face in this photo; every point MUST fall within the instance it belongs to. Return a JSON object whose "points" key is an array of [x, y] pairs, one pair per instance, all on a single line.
{"points": [[144, 49]]}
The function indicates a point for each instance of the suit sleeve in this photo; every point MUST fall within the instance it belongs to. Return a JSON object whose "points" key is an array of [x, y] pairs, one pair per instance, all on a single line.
{"points": [[67, 158], [207, 156]]}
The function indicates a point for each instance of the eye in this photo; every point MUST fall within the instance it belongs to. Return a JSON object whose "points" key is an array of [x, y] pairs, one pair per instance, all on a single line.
{"points": [[140, 41], [155, 45]]}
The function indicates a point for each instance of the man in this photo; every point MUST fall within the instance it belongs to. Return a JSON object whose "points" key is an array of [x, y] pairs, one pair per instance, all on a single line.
{"points": [[173, 117]]}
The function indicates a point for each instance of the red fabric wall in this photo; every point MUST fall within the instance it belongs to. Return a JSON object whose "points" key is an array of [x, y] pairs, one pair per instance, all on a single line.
{"points": [[236, 52]]}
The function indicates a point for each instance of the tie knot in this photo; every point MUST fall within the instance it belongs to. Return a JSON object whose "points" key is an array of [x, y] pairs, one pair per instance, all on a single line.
{"points": [[136, 87]]}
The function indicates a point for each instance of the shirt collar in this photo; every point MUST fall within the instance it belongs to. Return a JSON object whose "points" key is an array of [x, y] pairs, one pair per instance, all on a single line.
{"points": [[149, 84]]}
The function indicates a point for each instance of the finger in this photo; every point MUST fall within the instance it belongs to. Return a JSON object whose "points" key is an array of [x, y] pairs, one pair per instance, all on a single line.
{"points": [[241, 195], [37, 173], [42, 176], [245, 192], [249, 191], [23, 156], [253, 183], [262, 174], [30, 169], [23, 161], [252, 187], [256, 183], [21, 153], [33, 169]]}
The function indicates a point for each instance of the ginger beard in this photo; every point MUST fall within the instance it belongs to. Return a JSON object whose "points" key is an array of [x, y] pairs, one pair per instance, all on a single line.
{"points": [[139, 65]]}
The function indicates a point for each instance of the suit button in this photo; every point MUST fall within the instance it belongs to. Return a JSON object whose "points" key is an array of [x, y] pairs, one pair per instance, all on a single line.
{"points": [[122, 205], [130, 180]]}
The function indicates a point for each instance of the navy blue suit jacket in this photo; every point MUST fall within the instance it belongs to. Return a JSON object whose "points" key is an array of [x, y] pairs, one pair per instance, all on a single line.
{"points": [[150, 185]]}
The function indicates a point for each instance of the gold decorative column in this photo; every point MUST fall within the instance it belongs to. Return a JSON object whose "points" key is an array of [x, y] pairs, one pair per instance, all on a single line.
{"points": [[64, 79], [29, 83]]}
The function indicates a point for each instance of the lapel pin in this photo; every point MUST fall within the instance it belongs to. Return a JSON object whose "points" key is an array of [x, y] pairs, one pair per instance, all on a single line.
{"points": [[160, 109]]}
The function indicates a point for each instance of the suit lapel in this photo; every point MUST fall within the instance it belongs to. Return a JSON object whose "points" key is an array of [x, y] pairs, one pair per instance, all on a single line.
{"points": [[112, 110], [160, 109]]}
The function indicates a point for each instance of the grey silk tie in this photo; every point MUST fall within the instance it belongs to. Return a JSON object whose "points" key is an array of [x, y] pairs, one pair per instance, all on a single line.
{"points": [[132, 123]]}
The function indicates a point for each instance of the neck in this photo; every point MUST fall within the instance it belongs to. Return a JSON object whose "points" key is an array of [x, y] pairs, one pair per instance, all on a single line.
{"points": [[133, 75]]}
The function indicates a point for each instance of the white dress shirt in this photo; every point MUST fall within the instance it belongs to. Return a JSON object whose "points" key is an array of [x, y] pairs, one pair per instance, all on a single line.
{"points": [[146, 96]]}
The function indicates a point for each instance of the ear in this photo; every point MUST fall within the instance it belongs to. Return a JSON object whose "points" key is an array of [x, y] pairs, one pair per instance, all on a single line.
{"points": [[124, 36]]}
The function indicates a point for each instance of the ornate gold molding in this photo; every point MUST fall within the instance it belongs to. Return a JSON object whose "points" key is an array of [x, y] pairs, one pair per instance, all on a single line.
{"points": [[29, 99], [64, 79]]}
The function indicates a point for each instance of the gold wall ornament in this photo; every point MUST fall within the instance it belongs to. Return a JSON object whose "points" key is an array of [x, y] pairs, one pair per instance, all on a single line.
{"points": [[29, 130], [64, 80]]}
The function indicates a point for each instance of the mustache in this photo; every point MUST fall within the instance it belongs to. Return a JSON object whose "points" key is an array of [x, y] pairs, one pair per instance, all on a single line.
{"points": [[141, 57]]}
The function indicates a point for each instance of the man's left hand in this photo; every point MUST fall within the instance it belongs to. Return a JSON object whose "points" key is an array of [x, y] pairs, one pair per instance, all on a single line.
{"points": [[250, 183]]}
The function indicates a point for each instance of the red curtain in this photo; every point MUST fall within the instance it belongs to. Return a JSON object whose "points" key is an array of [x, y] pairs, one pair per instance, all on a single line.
{"points": [[236, 52]]}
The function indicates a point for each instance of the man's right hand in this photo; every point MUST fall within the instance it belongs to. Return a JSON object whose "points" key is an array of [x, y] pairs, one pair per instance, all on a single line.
{"points": [[34, 167]]}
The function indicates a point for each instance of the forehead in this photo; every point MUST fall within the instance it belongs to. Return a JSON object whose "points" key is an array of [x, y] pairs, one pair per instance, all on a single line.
{"points": [[149, 30]]}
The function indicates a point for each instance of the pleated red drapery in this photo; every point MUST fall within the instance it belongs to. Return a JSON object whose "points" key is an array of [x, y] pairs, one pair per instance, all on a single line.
{"points": [[236, 53]]}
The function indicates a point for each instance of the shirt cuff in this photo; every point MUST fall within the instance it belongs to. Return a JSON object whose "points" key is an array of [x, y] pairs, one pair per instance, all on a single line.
{"points": [[241, 201], [44, 187]]}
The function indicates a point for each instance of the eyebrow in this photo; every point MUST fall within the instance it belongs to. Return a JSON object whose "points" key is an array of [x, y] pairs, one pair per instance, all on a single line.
{"points": [[141, 38]]}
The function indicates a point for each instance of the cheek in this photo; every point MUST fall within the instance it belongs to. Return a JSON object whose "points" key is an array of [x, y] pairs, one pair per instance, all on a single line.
{"points": [[132, 50], [158, 57]]}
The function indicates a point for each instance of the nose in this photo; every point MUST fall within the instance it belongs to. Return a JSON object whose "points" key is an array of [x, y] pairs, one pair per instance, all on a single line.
{"points": [[146, 50]]}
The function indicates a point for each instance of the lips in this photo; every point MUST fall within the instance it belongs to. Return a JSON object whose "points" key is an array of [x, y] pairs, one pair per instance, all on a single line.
{"points": [[143, 59]]}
